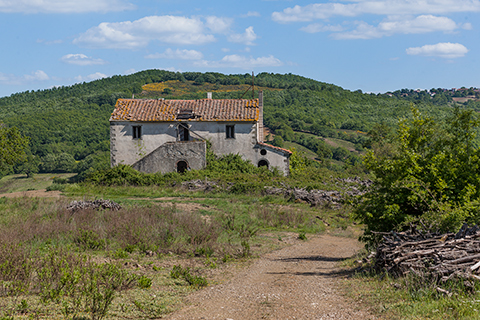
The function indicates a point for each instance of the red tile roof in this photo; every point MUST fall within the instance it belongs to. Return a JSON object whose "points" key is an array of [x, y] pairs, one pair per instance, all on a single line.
{"points": [[143, 110], [274, 147]]}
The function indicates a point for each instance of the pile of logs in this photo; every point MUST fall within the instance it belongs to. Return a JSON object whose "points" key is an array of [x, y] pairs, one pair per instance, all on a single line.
{"points": [[434, 256], [94, 205]]}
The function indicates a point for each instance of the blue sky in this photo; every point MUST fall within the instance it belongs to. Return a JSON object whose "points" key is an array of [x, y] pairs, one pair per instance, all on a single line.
{"points": [[375, 46]]}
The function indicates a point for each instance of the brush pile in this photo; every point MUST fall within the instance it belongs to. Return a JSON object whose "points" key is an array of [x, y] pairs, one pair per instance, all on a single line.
{"points": [[438, 256], [93, 205]]}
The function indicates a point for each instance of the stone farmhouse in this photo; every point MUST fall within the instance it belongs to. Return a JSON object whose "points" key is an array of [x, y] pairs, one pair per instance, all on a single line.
{"points": [[157, 135]]}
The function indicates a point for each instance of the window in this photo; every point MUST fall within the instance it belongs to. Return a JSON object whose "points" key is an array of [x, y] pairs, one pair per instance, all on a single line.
{"points": [[263, 152], [183, 133], [137, 132], [230, 131]]}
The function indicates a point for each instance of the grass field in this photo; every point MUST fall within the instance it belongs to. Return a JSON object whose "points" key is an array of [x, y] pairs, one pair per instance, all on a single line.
{"points": [[163, 244], [20, 182]]}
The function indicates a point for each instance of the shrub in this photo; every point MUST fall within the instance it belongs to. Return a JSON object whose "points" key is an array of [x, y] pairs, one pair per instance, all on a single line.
{"points": [[194, 281], [429, 175]]}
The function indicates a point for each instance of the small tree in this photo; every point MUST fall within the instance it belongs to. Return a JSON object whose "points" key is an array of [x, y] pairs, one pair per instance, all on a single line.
{"points": [[430, 175], [12, 146]]}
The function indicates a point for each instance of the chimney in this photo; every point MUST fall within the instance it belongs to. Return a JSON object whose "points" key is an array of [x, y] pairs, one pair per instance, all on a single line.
{"points": [[209, 95], [260, 117]]}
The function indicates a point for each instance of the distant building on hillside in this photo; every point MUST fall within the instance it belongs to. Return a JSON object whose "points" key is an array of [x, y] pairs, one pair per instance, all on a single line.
{"points": [[170, 135]]}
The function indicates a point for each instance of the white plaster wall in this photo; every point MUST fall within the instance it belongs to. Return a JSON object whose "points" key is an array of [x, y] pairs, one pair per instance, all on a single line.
{"points": [[275, 158], [245, 136], [126, 150]]}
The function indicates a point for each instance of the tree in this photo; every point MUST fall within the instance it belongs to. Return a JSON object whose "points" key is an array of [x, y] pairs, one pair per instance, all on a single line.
{"points": [[298, 163], [430, 177], [278, 141], [12, 146], [29, 167]]}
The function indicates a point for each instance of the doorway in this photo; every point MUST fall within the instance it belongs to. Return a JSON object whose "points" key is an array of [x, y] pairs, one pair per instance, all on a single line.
{"points": [[263, 163], [182, 166]]}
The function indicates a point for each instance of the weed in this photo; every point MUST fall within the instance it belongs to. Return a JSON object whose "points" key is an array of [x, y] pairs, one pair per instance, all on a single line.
{"points": [[151, 310], [144, 282], [79, 284], [88, 239], [302, 236], [194, 281], [226, 258], [211, 263], [23, 306], [56, 187], [120, 254]]}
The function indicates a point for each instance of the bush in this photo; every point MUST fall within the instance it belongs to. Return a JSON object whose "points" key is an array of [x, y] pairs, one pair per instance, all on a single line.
{"points": [[429, 176]]}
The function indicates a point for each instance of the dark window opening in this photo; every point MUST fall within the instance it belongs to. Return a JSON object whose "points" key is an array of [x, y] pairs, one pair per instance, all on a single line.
{"points": [[263, 152], [262, 163], [182, 166], [137, 132], [184, 133], [230, 131]]}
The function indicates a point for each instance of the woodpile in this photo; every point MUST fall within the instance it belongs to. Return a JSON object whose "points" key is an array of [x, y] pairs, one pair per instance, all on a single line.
{"points": [[93, 205], [346, 188], [438, 257]]}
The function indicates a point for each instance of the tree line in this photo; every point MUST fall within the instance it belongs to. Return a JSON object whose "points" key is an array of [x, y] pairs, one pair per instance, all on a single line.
{"points": [[71, 123]]}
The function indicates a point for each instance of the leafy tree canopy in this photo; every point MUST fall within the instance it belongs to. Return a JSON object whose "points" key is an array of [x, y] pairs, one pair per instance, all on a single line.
{"points": [[428, 176], [12, 145]]}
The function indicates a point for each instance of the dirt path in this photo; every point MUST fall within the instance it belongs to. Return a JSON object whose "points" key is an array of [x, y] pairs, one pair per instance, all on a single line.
{"points": [[297, 282]]}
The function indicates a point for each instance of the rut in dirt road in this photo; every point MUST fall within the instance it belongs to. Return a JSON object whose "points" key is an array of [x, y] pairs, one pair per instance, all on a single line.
{"points": [[297, 282]]}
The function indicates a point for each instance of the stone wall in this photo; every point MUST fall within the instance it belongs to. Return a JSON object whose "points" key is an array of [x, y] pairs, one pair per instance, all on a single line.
{"points": [[166, 158]]}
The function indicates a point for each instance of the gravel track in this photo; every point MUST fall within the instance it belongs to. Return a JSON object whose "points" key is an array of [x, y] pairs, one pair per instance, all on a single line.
{"points": [[296, 282]]}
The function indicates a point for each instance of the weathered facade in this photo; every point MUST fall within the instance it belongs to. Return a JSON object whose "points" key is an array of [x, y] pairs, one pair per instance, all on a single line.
{"points": [[170, 135]]}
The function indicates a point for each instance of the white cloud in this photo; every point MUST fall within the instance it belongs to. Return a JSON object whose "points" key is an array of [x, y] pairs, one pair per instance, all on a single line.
{"points": [[63, 6], [91, 77], [38, 75], [318, 27], [81, 60], [444, 50], [136, 34], [238, 61], [10, 79], [246, 38], [251, 14], [129, 71], [400, 25], [177, 54], [217, 24], [380, 7]]}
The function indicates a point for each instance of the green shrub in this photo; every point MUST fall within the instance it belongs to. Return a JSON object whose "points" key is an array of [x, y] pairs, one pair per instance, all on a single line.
{"points": [[184, 273], [144, 282], [302, 236], [88, 239], [428, 176]]}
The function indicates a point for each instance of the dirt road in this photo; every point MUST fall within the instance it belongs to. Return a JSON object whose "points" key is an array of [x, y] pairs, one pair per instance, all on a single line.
{"points": [[297, 282]]}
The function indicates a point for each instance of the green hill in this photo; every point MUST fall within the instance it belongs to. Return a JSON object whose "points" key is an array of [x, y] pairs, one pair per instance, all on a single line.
{"points": [[71, 123]]}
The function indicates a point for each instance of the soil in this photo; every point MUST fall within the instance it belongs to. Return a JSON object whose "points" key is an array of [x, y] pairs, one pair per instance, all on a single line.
{"points": [[296, 282]]}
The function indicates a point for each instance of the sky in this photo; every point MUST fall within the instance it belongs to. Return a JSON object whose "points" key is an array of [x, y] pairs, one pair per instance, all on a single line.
{"points": [[374, 46]]}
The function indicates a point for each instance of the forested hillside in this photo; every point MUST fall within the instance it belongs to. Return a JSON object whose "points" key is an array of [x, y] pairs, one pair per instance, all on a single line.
{"points": [[69, 130]]}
